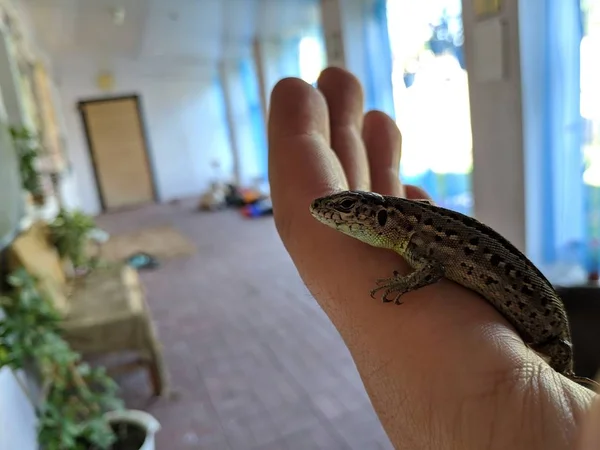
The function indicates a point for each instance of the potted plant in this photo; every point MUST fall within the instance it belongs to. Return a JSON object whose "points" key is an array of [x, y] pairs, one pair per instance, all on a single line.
{"points": [[68, 233], [77, 406], [28, 150], [134, 430]]}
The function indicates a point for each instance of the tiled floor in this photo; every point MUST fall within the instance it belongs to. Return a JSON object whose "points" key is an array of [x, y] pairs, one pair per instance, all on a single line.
{"points": [[257, 364]]}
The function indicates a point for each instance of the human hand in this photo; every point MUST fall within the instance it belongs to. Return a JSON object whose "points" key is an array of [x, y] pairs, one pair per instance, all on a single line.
{"points": [[444, 370]]}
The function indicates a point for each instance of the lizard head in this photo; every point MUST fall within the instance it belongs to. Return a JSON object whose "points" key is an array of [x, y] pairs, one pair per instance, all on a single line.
{"points": [[362, 215]]}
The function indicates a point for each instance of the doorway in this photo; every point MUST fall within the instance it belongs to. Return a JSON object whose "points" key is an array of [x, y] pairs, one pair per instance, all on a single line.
{"points": [[118, 149]]}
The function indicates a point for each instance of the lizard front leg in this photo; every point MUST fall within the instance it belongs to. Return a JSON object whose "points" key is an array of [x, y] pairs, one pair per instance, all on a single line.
{"points": [[425, 273]]}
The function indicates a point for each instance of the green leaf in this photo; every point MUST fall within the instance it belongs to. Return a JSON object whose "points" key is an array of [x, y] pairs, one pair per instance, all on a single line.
{"points": [[71, 414]]}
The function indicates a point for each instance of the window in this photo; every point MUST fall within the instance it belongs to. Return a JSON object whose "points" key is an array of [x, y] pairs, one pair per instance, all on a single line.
{"points": [[431, 98], [590, 112], [311, 58]]}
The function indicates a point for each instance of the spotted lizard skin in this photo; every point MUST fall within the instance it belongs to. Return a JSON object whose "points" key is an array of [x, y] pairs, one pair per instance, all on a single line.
{"points": [[437, 242]]}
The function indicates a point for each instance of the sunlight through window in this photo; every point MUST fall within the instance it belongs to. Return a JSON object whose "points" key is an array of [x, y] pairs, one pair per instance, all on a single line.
{"points": [[431, 98], [590, 111], [312, 58], [590, 93]]}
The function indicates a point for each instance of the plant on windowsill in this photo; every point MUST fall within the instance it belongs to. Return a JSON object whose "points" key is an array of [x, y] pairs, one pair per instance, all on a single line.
{"points": [[74, 397], [68, 233], [28, 151]]}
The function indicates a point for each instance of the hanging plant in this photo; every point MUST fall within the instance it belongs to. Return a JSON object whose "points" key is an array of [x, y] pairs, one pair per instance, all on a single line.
{"points": [[28, 151]]}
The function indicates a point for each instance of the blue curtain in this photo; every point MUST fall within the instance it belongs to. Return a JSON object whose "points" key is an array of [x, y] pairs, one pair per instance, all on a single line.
{"points": [[285, 62], [220, 86], [551, 34], [250, 88], [564, 126], [377, 82]]}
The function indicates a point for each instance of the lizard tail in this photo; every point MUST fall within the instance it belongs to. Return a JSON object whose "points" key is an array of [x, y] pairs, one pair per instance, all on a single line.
{"points": [[583, 380]]}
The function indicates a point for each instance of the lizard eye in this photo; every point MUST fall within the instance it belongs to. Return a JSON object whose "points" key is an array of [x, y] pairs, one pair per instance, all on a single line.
{"points": [[347, 204], [382, 217]]}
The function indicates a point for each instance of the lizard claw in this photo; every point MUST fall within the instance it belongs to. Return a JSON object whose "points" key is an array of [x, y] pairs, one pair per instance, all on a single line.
{"points": [[390, 280], [389, 289], [385, 297], [397, 299], [377, 289]]}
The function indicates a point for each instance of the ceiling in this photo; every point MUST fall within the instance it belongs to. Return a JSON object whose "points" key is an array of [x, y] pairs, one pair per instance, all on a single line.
{"points": [[204, 30]]}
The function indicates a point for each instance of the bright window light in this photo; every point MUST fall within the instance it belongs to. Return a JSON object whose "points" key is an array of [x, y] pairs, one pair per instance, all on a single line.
{"points": [[311, 59]]}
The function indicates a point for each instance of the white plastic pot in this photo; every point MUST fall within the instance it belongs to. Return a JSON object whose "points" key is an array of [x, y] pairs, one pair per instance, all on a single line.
{"points": [[140, 418]]}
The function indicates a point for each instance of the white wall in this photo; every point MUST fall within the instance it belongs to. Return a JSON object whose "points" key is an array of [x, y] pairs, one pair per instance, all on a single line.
{"points": [[17, 419], [184, 118]]}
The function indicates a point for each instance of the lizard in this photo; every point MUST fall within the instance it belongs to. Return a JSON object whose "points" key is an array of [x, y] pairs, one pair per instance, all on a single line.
{"points": [[437, 242]]}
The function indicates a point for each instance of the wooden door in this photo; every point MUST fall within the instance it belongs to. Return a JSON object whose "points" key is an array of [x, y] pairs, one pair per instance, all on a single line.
{"points": [[119, 153]]}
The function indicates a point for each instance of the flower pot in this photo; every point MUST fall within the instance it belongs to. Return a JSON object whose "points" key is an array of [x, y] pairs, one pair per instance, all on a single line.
{"points": [[135, 429]]}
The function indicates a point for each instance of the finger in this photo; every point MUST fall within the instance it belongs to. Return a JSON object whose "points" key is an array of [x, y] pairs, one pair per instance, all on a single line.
{"points": [[297, 109], [302, 166], [383, 143], [415, 193], [345, 102]]}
